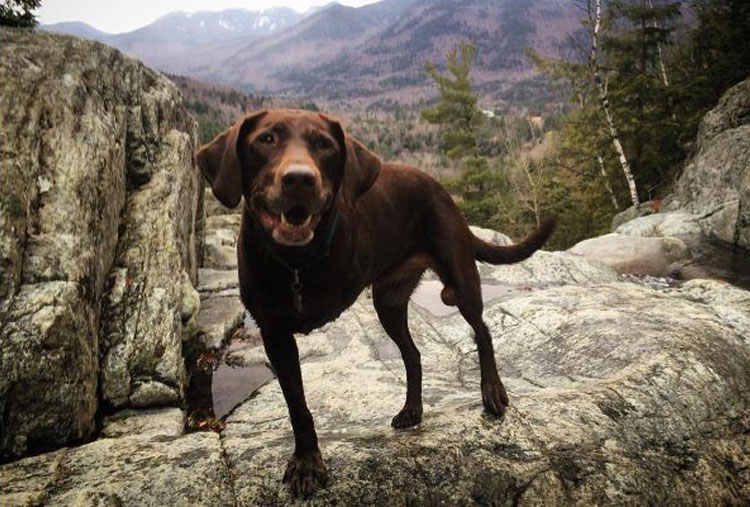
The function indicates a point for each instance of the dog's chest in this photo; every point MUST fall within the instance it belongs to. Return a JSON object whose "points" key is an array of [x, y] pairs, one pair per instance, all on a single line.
{"points": [[303, 300], [315, 301]]}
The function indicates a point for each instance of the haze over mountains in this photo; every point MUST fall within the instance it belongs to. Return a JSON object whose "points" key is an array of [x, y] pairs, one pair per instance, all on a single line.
{"points": [[334, 52]]}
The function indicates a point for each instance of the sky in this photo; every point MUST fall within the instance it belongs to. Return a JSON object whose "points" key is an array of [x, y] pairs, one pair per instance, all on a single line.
{"points": [[115, 16]]}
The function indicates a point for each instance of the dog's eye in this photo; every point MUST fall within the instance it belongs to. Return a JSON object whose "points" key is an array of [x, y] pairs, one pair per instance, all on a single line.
{"points": [[267, 138], [323, 143]]}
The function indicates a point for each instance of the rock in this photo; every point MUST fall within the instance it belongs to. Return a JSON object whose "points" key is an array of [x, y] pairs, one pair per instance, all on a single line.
{"points": [[99, 206], [164, 422], [220, 249], [137, 470], [715, 184], [732, 111], [619, 394], [144, 321], [214, 207], [545, 269], [215, 280], [680, 225], [49, 368], [632, 213], [495, 237], [218, 318], [224, 222], [654, 256]]}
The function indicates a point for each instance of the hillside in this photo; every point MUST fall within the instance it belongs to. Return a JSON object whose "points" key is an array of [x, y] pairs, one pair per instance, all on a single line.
{"points": [[78, 29], [215, 107]]}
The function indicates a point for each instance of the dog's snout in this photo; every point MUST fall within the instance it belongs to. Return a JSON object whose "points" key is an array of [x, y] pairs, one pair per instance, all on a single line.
{"points": [[298, 176]]}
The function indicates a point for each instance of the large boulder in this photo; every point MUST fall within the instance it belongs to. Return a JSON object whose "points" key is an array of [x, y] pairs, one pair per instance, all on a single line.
{"points": [[152, 306], [619, 393], [715, 184], [98, 208], [708, 213], [639, 255]]}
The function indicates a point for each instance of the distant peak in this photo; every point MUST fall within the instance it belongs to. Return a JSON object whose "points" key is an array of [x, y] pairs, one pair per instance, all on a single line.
{"points": [[318, 8]]}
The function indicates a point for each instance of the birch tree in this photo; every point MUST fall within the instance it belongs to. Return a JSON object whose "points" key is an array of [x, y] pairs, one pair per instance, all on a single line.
{"points": [[595, 17]]}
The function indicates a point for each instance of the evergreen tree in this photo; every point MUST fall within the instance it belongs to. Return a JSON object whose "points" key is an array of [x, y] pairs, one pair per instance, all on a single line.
{"points": [[714, 56], [624, 76], [18, 13], [483, 193], [456, 111], [635, 34]]}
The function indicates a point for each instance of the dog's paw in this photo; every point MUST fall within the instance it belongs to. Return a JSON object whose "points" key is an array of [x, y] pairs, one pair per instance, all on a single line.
{"points": [[306, 474], [407, 417], [494, 398]]}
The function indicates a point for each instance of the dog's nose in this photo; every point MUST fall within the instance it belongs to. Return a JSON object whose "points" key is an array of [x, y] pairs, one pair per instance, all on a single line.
{"points": [[298, 176]]}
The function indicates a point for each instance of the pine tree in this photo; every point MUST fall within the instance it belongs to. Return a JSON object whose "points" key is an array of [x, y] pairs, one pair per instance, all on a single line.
{"points": [[18, 13], [456, 112], [633, 42], [714, 56]]}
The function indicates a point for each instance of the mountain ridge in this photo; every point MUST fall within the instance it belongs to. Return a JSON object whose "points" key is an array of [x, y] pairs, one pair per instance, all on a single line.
{"points": [[364, 54]]}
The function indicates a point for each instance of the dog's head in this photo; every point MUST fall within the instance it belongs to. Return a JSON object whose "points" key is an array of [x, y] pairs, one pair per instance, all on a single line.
{"points": [[290, 166]]}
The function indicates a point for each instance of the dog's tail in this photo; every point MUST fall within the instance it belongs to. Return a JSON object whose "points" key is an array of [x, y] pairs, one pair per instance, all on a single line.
{"points": [[497, 254]]}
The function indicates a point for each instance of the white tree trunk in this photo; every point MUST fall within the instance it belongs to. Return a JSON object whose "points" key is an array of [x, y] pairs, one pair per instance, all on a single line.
{"points": [[604, 100], [611, 192], [664, 77]]}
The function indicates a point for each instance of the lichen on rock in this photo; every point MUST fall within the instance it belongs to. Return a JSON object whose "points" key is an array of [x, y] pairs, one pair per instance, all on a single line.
{"points": [[99, 200]]}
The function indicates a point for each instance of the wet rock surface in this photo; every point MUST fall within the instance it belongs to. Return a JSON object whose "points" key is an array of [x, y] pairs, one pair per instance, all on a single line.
{"points": [[222, 377]]}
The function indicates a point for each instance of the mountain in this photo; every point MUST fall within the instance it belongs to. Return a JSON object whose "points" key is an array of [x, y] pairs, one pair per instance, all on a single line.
{"points": [[372, 53], [278, 63], [177, 33], [390, 61], [78, 29]]}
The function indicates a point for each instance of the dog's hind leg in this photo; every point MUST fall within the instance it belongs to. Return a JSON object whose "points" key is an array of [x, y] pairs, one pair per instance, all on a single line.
{"points": [[453, 253], [391, 298], [465, 287], [494, 397]]}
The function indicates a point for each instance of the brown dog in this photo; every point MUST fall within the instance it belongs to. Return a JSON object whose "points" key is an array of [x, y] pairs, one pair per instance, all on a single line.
{"points": [[322, 219]]}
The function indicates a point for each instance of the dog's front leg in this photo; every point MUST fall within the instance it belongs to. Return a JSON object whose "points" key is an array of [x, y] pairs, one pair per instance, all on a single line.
{"points": [[305, 471]]}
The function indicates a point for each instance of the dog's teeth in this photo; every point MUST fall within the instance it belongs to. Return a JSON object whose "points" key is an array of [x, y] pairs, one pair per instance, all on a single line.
{"points": [[283, 219], [307, 222]]}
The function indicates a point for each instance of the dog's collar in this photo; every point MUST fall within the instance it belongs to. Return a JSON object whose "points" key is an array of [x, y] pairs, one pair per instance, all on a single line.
{"points": [[295, 270]]}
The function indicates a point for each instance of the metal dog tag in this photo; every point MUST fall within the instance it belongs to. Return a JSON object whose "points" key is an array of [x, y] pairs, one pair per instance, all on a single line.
{"points": [[297, 292]]}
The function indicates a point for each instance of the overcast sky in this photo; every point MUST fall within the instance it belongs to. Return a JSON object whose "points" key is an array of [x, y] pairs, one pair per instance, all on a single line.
{"points": [[116, 16]]}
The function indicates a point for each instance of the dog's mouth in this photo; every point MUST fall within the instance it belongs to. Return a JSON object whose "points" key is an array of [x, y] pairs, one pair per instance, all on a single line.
{"points": [[292, 227]]}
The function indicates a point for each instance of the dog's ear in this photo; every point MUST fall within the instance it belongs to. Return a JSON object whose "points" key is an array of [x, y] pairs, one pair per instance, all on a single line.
{"points": [[219, 160], [361, 166]]}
